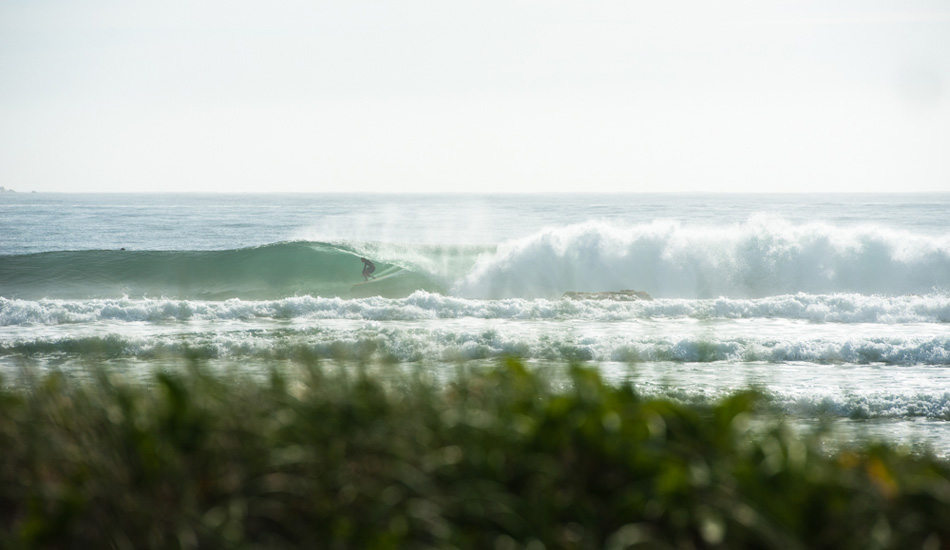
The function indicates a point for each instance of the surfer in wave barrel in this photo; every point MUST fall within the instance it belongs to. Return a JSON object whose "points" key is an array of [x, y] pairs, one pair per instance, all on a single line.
{"points": [[368, 269]]}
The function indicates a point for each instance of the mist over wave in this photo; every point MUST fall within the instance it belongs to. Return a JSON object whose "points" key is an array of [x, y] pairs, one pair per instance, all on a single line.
{"points": [[765, 256]]}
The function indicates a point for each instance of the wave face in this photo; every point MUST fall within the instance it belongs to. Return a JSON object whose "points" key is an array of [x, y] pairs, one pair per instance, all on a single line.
{"points": [[765, 256], [264, 272]]}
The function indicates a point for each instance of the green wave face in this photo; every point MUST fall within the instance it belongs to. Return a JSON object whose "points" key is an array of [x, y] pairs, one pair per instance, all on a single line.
{"points": [[267, 272]]}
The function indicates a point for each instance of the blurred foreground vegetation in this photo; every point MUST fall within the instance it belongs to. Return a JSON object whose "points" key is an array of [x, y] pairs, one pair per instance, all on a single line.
{"points": [[500, 459]]}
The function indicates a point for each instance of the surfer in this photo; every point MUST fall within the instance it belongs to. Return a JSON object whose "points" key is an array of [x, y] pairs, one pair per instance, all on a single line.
{"points": [[368, 269]]}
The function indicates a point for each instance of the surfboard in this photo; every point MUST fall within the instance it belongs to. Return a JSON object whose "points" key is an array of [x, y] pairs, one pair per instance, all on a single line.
{"points": [[380, 278]]}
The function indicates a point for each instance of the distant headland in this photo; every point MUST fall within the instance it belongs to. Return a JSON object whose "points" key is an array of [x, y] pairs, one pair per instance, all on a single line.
{"points": [[5, 190]]}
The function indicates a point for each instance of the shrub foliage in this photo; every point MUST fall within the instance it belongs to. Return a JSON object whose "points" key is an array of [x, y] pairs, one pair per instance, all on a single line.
{"points": [[497, 459]]}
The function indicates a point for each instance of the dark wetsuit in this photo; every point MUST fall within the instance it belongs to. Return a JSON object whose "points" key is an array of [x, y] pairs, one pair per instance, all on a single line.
{"points": [[368, 269]]}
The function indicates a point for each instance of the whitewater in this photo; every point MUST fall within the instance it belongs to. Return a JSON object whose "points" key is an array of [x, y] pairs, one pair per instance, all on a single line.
{"points": [[836, 306]]}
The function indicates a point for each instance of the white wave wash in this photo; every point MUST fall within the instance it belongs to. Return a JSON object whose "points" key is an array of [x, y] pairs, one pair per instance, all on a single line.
{"points": [[765, 256], [456, 340], [835, 308], [822, 375]]}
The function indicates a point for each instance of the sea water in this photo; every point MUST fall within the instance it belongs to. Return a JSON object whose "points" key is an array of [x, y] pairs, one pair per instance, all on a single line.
{"points": [[836, 306]]}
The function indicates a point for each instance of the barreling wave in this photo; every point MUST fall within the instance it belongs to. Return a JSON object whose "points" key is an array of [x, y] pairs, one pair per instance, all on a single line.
{"points": [[762, 257], [265, 272], [421, 305]]}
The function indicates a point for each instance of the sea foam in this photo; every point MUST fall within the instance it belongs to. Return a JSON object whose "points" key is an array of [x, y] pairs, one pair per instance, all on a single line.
{"points": [[764, 256], [371, 341], [421, 305]]}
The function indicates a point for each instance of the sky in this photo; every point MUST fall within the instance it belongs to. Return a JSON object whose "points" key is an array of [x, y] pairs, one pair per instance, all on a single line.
{"points": [[487, 96]]}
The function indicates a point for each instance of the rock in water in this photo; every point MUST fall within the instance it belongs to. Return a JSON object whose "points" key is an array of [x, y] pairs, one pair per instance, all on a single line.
{"points": [[619, 295]]}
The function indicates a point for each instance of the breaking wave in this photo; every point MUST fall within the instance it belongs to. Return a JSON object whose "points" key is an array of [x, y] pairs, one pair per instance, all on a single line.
{"points": [[765, 256], [759, 258], [264, 272]]}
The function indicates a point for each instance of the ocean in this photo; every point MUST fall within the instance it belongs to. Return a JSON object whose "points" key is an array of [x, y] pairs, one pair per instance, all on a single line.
{"points": [[836, 306]]}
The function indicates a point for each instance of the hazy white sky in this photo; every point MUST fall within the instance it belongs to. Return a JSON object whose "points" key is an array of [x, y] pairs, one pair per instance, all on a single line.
{"points": [[831, 95]]}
